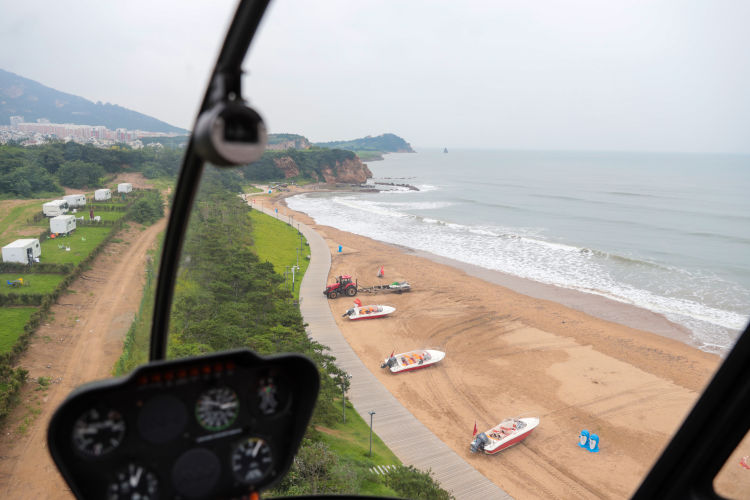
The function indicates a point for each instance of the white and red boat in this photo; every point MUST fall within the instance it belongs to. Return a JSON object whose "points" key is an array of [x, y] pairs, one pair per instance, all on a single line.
{"points": [[368, 312], [504, 435], [412, 360]]}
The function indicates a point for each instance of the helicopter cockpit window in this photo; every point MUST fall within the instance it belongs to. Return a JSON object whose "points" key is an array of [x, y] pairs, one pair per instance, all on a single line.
{"points": [[521, 230]]}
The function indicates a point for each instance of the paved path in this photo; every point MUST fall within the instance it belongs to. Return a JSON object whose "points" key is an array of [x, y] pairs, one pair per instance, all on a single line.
{"points": [[412, 442]]}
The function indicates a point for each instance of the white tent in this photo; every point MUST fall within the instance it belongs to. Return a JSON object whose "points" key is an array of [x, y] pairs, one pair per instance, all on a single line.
{"points": [[124, 187]]}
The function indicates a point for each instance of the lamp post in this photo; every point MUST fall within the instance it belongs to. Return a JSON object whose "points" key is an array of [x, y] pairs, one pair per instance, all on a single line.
{"points": [[371, 414], [293, 269]]}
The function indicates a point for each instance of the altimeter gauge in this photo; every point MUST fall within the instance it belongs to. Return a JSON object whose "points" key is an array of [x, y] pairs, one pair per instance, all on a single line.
{"points": [[98, 432], [133, 481], [217, 408], [252, 460]]}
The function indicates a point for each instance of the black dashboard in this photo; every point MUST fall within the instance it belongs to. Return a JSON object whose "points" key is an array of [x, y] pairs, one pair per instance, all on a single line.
{"points": [[220, 426]]}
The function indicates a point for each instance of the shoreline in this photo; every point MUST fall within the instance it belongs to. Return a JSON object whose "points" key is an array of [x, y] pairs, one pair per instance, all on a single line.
{"points": [[599, 306], [510, 353]]}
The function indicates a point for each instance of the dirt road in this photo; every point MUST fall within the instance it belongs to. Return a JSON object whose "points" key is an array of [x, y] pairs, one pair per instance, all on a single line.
{"points": [[80, 342]]}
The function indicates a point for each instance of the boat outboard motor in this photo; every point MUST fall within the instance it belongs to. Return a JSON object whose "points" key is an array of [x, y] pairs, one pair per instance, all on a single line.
{"points": [[348, 313], [390, 362], [480, 441]]}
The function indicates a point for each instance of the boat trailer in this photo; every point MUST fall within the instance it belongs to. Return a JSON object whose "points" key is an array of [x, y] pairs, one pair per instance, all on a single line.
{"points": [[395, 287]]}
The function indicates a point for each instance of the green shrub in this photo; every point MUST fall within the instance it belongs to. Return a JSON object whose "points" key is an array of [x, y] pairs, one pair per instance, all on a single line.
{"points": [[148, 209], [413, 483]]}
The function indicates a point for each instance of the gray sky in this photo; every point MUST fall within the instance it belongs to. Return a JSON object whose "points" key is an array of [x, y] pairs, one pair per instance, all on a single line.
{"points": [[651, 75]]}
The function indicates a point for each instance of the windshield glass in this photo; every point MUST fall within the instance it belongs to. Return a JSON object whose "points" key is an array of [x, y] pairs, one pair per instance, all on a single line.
{"points": [[539, 212]]}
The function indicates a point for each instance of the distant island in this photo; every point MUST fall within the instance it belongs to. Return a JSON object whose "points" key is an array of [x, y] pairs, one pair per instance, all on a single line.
{"points": [[30, 101], [371, 148]]}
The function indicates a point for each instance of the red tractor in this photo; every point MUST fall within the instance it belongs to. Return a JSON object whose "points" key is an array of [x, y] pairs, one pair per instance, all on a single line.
{"points": [[343, 286]]}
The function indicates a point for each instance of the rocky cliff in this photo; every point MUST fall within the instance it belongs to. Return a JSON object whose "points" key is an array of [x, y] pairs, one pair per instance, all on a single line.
{"points": [[317, 165], [351, 171]]}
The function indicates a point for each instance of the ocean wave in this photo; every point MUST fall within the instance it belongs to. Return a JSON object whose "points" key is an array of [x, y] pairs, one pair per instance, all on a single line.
{"points": [[421, 205], [702, 302]]}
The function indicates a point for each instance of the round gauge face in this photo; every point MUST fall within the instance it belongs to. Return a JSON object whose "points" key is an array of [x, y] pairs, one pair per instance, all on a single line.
{"points": [[271, 396], [252, 460], [97, 432], [217, 408], [133, 481]]}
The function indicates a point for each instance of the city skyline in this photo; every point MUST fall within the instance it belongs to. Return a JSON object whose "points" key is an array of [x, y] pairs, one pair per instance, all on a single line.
{"points": [[42, 129]]}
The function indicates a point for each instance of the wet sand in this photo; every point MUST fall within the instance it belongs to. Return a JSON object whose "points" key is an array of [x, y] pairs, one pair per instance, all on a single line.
{"points": [[545, 352]]}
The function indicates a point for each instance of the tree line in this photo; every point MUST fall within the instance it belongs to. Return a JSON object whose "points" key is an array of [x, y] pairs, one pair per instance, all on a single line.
{"points": [[226, 298], [39, 171]]}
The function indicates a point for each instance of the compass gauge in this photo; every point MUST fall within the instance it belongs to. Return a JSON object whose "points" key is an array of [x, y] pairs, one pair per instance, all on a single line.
{"points": [[252, 460], [97, 432], [217, 408]]}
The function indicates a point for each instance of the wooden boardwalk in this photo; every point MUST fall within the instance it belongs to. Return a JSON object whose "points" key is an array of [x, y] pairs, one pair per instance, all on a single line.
{"points": [[412, 442]]}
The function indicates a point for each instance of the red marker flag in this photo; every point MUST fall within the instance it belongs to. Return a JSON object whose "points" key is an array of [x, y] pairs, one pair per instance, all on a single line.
{"points": [[475, 429], [392, 353]]}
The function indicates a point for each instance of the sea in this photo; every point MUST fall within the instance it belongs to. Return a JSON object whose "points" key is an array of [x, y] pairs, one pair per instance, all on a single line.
{"points": [[665, 232]]}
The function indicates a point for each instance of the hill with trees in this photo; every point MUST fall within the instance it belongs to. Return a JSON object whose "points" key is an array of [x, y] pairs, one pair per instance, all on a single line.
{"points": [[40, 171], [279, 142], [21, 96], [373, 147]]}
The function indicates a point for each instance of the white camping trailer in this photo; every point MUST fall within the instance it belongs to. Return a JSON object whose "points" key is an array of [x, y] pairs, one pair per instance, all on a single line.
{"points": [[75, 200], [20, 251], [55, 208], [124, 187], [62, 224], [102, 194]]}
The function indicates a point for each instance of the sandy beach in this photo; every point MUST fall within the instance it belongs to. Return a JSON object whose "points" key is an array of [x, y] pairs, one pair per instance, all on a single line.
{"points": [[513, 354]]}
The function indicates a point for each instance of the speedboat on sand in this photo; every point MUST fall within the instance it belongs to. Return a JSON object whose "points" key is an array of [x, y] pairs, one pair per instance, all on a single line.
{"points": [[504, 435], [368, 312], [412, 360]]}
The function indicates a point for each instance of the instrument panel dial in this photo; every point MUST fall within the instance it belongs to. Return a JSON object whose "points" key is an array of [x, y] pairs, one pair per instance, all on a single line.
{"points": [[217, 408], [98, 431], [133, 481], [252, 460]]}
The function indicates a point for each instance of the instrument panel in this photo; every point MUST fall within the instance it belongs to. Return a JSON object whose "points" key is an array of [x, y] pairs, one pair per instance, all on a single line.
{"points": [[219, 426]]}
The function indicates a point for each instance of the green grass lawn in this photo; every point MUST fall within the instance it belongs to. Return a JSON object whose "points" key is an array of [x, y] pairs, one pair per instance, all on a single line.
{"points": [[163, 183], [104, 215], [369, 155], [277, 242], [351, 442], [12, 320], [15, 218], [79, 249], [101, 204], [33, 283]]}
